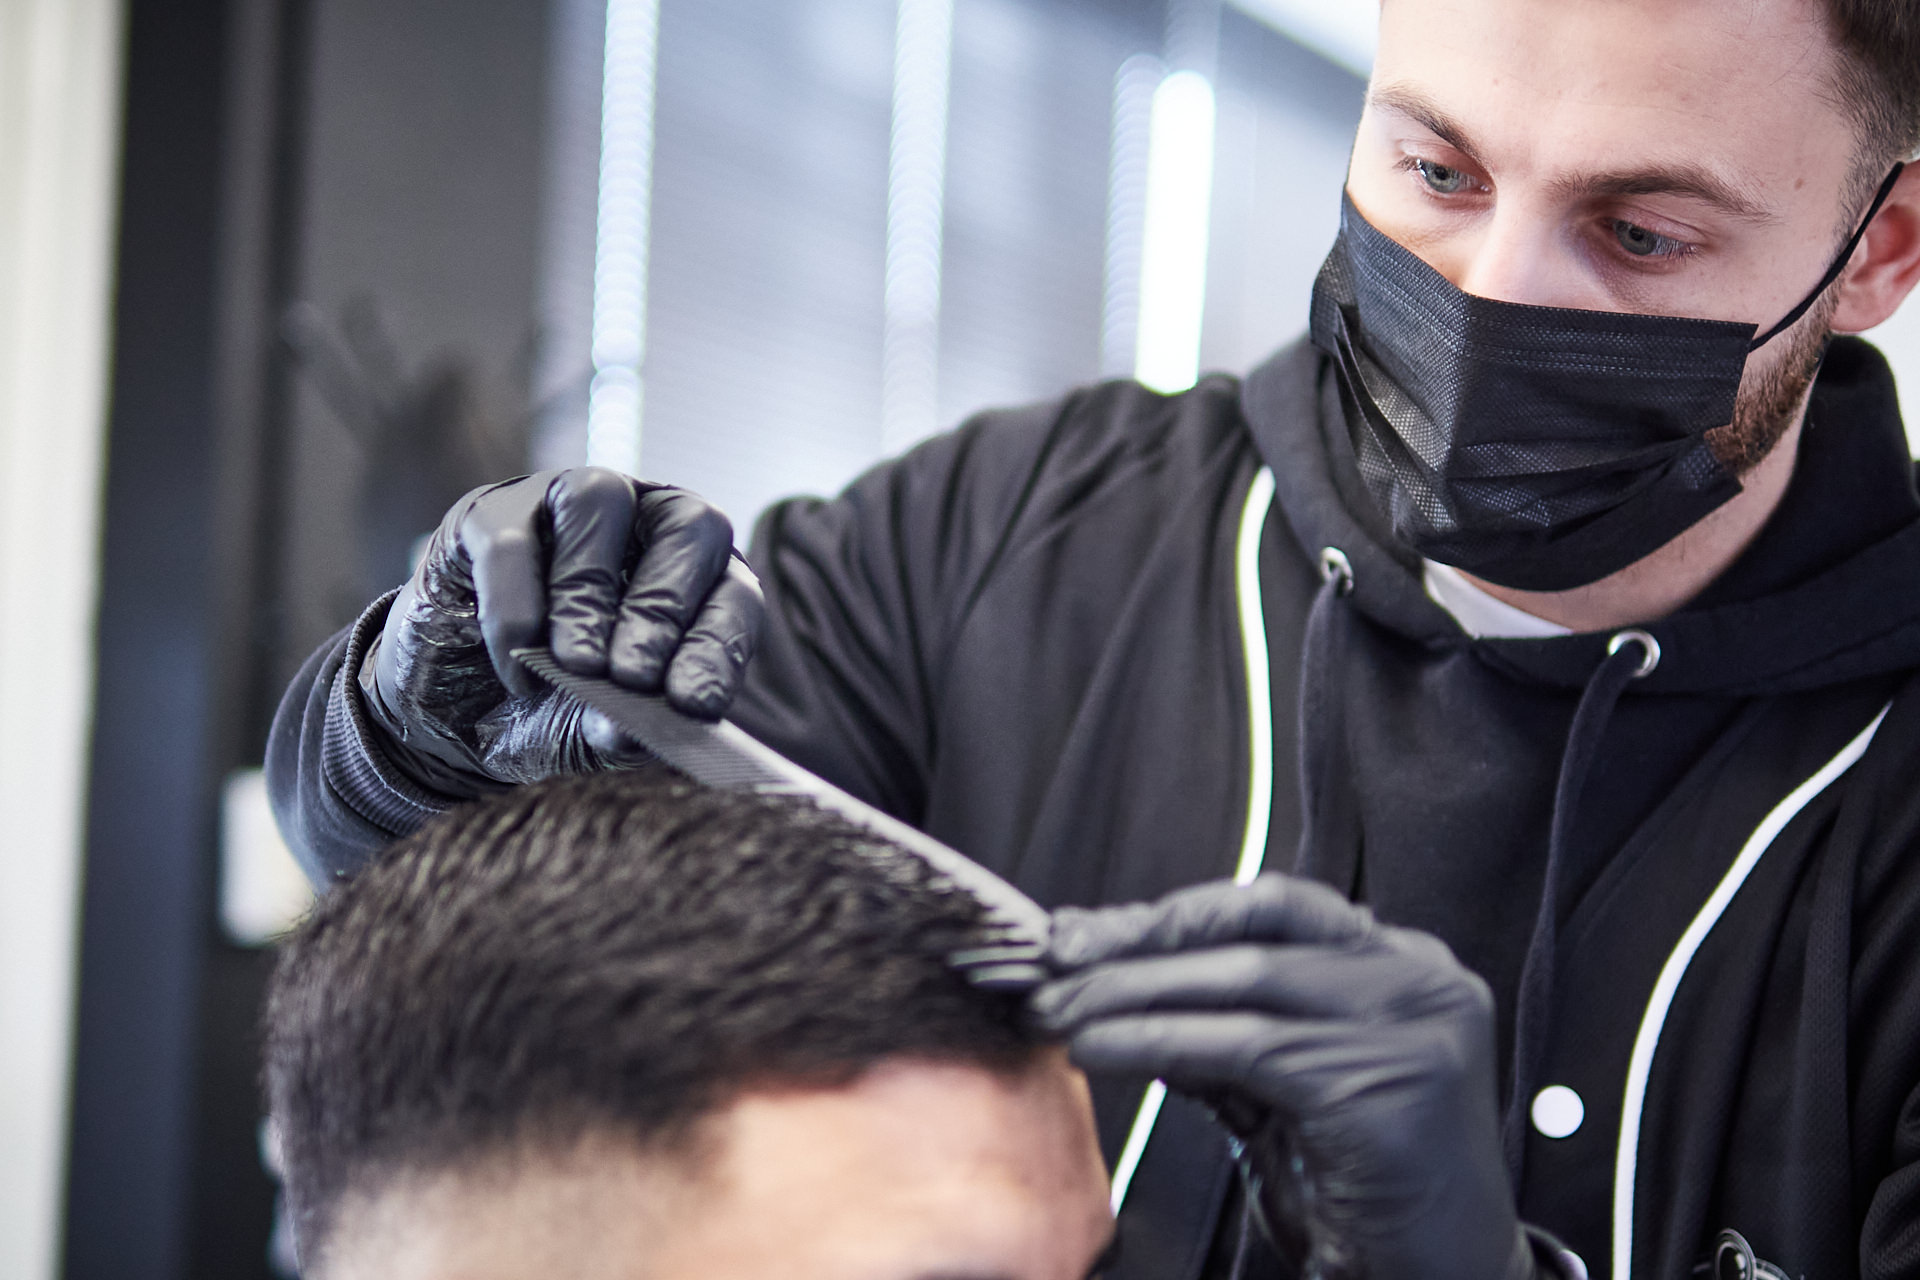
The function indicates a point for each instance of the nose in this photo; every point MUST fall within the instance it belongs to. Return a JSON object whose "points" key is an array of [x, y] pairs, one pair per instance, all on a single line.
{"points": [[1521, 256]]}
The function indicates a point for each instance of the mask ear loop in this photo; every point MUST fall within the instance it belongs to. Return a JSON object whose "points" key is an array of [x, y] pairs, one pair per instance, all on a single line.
{"points": [[1839, 262]]}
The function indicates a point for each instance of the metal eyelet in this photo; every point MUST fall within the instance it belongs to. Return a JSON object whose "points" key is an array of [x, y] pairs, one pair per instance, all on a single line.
{"points": [[1649, 649], [1334, 566], [1733, 1259]]}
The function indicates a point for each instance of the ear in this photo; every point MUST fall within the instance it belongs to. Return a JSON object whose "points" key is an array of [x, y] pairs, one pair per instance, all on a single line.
{"points": [[1886, 265]]}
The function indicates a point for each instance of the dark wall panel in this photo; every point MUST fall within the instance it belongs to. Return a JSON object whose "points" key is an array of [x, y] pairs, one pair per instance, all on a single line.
{"points": [[381, 164], [144, 907]]}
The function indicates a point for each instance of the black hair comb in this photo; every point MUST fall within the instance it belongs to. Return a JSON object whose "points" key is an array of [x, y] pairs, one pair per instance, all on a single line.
{"points": [[1005, 955]]}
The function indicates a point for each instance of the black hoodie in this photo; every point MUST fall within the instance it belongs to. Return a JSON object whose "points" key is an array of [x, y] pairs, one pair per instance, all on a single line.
{"points": [[1073, 641]]}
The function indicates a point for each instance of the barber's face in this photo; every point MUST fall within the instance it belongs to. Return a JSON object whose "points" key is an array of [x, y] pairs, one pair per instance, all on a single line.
{"points": [[916, 1171], [1673, 157]]}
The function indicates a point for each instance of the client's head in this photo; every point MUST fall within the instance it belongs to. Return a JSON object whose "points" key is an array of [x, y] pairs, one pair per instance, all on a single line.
{"points": [[625, 1028]]}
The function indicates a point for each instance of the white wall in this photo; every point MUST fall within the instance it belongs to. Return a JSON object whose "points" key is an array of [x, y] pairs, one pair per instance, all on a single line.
{"points": [[59, 146]]}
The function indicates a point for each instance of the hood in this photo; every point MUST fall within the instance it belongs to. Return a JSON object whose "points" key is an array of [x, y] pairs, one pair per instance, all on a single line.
{"points": [[1828, 592]]}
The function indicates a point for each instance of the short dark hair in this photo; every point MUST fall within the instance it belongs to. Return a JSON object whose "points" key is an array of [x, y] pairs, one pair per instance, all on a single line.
{"points": [[1879, 78], [618, 952]]}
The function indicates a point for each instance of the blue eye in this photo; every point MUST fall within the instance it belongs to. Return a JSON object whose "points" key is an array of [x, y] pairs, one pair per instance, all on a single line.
{"points": [[1442, 179], [1642, 243]]}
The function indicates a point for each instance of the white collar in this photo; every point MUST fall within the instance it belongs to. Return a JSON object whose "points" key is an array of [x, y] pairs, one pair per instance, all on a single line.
{"points": [[1481, 615]]}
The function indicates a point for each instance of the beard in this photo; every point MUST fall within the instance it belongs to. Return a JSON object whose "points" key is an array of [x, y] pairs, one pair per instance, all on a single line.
{"points": [[1772, 402]]}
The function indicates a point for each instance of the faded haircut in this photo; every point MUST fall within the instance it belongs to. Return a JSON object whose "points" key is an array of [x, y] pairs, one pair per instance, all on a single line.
{"points": [[621, 953]]}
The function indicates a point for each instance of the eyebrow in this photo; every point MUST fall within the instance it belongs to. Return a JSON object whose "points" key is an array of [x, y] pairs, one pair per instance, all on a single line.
{"points": [[1407, 101], [1693, 182], [1690, 181]]}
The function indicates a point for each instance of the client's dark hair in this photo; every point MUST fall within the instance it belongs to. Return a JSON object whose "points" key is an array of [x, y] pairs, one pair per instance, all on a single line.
{"points": [[620, 952]]}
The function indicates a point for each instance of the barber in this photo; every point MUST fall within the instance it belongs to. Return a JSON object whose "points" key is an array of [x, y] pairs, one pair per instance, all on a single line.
{"points": [[1559, 600]]}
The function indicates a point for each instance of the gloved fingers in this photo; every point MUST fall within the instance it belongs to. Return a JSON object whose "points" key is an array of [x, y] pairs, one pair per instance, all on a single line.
{"points": [[685, 546], [1291, 981], [1280, 1062], [1274, 908], [503, 538], [706, 670], [591, 511], [1384, 1086]]}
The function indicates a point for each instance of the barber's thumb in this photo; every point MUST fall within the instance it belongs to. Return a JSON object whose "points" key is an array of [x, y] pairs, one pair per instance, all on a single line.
{"points": [[617, 748]]}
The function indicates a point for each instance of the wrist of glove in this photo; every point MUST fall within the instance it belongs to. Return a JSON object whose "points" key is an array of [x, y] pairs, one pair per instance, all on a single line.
{"points": [[1281, 1201], [1352, 1062]]}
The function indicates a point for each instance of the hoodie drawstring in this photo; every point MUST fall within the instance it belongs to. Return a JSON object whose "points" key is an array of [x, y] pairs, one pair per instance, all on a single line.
{"points": [[1631, 655], [1329, 822]]}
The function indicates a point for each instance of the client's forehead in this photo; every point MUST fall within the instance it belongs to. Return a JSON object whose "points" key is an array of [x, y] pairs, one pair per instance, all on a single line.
{"points": [[914, 1170]]}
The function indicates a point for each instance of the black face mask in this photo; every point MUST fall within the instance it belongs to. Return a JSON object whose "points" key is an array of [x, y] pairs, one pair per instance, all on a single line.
{"points": [[1540, 448]]}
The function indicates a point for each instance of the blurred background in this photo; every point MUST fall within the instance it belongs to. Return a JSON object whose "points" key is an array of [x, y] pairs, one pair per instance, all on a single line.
{"points": [[280, 279]]}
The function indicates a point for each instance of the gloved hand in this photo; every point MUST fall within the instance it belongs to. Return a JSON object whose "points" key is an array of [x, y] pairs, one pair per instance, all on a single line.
{"points": [[1353, 1061], [619, 577]]}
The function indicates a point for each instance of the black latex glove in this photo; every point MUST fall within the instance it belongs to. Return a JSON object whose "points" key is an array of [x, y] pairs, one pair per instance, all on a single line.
{"points": [[621, 578], [1353, 1061]]}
